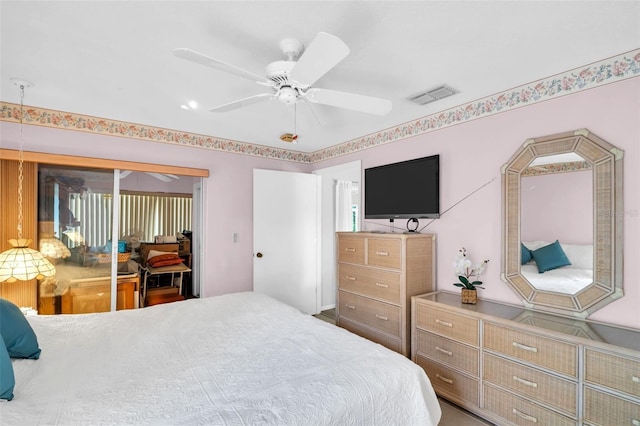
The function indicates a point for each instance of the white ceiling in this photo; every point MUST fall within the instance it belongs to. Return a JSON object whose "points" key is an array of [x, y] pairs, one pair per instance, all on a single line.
{"points": [[113, 59]]}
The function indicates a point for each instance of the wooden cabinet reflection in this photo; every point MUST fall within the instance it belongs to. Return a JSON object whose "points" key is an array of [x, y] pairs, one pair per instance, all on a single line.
{"points": [[92, 295]]}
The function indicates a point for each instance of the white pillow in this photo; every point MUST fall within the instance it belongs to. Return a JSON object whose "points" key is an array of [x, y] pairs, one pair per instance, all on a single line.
{"points": [[580, 255]]}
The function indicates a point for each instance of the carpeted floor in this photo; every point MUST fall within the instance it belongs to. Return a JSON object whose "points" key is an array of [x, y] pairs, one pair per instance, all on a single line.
{"points": [[328, 316]]}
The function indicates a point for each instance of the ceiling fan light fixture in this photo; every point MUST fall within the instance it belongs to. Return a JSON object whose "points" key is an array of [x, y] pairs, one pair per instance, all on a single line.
{"points": [[288, 95]]}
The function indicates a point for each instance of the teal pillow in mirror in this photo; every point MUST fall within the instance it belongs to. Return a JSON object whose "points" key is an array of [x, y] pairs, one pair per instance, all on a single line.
{"points": [[7, 379], [550, 257], [19, 338], [525, 254]]}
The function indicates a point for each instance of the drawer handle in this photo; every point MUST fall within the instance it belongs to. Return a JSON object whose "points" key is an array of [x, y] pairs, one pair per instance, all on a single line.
{"points": [[444, 351], [524, 416], [350, 306], [382, 285], [525, 382], [382, 317], [445, 323], [444, 379], [635, 422], [525, 347], [635, 379], [382, 253], [350, 249], [350, 278]]}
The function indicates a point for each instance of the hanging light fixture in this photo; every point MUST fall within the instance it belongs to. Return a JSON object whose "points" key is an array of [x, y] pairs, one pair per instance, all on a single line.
{"points": [[22, 263]]}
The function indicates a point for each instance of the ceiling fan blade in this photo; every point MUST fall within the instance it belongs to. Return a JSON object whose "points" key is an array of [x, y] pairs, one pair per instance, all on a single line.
{"points": [[160, 176], [323, 53], [199, 58], [243, 102], [351, 101]]}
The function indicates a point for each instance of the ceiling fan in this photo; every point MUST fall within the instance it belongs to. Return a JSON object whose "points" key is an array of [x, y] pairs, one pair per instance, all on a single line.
{"points": [[291, 80]]}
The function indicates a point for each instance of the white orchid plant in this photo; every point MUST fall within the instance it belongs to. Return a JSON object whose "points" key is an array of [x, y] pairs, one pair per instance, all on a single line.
{"points": [[467, 274]]}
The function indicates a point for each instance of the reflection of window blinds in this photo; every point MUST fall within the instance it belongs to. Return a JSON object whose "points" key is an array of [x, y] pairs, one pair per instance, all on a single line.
{"points": [[153, 215], [148, 215], [93, 212]]}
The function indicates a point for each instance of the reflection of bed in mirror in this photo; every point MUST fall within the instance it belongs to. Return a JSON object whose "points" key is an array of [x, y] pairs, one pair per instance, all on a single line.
{"points": [[568, 279]]}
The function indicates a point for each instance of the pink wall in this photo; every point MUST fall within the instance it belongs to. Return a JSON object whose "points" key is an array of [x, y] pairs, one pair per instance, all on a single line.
{"points": [[228, 191], [552, 206], [471, 154]]}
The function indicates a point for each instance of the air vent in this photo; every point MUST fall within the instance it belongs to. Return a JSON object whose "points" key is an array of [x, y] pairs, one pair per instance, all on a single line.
{"points": [[433, 95]]}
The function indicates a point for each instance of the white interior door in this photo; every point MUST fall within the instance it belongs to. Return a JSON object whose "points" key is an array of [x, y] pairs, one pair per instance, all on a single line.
{"points": [[286, 229]]}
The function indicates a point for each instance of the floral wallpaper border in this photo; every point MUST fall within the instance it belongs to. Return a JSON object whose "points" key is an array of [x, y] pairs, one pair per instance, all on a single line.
{"points": [[626, 65], [572, 166]]}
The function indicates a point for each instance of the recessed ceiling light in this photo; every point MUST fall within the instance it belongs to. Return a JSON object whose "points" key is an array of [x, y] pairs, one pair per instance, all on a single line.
{"points": [[193, 104], [183, 106]]}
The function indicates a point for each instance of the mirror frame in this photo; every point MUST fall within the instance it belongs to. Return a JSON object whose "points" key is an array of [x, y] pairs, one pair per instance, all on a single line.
{"points": [[606, 163]]}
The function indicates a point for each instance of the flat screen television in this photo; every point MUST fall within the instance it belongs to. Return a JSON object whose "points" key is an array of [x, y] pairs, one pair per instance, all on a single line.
{"points": [[403, 190]]}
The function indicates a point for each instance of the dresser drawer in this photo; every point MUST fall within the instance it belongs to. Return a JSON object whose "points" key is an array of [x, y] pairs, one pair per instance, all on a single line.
{"points": [[351, 250], [519, 411], [374, 314], [532, 383], [458, 327], [381, 285], [390, 342], [613, 371], [449, 383], [385, 253], [553, 354], [446, 351], [604, 409]]}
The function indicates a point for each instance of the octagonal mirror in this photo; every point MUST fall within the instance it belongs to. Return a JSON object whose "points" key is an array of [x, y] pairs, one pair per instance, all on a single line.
{"points": [[562, 223]]}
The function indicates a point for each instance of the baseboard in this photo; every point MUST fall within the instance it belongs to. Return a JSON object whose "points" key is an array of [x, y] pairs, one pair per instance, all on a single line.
{"points": [[327, 307]]}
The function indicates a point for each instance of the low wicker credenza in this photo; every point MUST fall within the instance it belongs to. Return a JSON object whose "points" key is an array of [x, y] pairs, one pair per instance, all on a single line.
{"points": [[515, 366]]}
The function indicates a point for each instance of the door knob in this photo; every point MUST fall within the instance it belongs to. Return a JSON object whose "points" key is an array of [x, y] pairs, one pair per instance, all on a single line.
{"points": [[258, 254]]}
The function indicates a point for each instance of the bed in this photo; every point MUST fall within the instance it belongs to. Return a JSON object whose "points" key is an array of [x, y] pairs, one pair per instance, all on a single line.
{"points": [[569, 279], [236, 359]]}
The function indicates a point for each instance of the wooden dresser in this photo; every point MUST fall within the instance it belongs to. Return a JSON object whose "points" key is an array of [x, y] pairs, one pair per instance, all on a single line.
{"points": [[515, 366], [377, 275]]}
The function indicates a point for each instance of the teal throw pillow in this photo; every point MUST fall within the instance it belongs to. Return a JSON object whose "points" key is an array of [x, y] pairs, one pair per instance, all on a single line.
{"points": [[550, 257], [19, 338], [7, 379], [525, 254]]}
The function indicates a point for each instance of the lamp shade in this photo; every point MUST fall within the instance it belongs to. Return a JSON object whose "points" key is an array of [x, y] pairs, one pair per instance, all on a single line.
{"points": [[53, 248], [23, 264]]}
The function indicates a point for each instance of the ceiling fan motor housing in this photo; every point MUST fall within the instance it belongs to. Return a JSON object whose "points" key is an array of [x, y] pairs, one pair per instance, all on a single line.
{"points": [[287, 90]]}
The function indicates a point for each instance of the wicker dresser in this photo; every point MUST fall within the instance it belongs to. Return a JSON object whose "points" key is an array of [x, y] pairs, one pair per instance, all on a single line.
{"points": [[515, 366], [377, 275]]}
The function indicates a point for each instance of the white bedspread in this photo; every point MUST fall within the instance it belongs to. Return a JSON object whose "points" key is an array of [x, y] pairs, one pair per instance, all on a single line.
{"points": [[562, 280], [237, 359]]}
